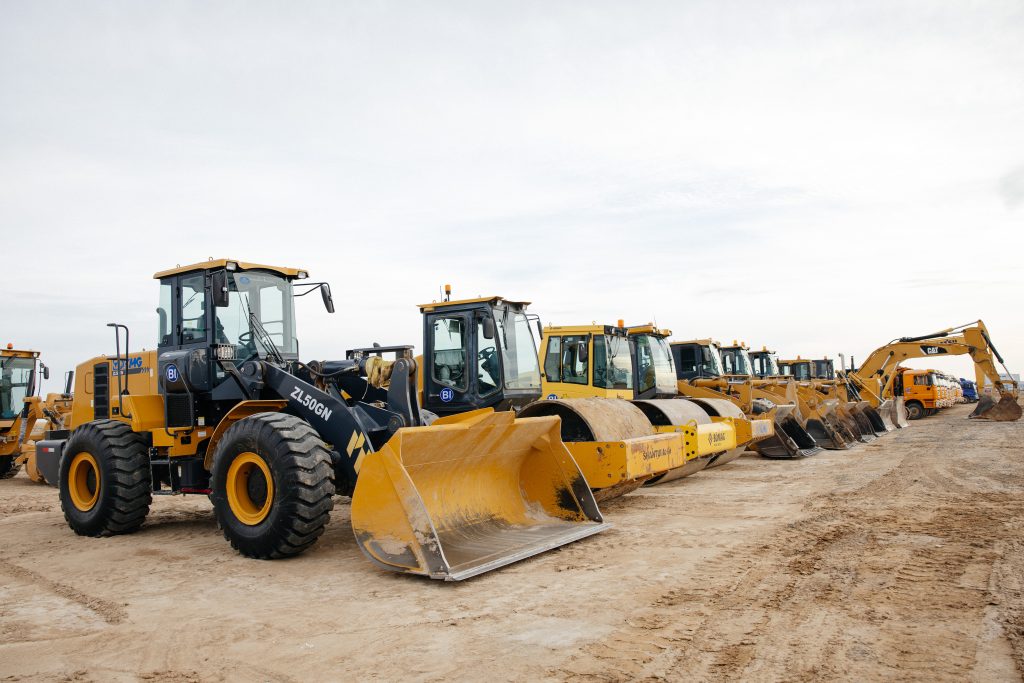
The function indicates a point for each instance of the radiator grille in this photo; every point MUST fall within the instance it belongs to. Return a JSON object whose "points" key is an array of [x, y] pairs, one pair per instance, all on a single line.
{"points": [[101, 391]]}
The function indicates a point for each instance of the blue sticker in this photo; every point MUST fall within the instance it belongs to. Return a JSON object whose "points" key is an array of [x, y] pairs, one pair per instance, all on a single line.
{"points": [[172, 373], [447, 394], [552, 397], [244, 279]]}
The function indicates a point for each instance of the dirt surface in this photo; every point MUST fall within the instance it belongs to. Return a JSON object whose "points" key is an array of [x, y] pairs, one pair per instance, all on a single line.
{"points": [[900, 559]]}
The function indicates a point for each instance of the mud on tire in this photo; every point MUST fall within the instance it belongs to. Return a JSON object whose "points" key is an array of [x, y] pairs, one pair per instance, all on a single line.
{"points": [[115, 479], [282, 516]]}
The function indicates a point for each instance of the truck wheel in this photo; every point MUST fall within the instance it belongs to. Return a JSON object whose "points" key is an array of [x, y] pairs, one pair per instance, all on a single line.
{"points": [[914, 411], [8, 468], [104, 479], [272, 485]]}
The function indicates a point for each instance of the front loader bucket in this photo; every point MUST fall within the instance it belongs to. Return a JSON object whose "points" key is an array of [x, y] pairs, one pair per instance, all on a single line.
{"points": [[1006, 410], [469, 494], [884, 415], [790, 440], [826, 431], [899, 412], [858, 423], [874, 421]]}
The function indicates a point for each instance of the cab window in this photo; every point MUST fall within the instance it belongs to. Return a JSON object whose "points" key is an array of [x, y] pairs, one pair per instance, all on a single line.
{"points": [[488, 365], [193, 309], [574, 360], [551, 356], [163, 312], [448, 365]]}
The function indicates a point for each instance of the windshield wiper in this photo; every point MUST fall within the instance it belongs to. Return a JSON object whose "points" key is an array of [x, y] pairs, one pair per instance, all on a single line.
{"points": [[261, 335]]}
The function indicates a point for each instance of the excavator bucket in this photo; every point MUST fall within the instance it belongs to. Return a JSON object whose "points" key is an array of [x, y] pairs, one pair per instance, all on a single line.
{"points": [[790, 440], [469, 494], [1007, 409]]}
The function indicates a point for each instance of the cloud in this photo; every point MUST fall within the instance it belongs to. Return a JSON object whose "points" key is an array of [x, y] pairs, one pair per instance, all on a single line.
{"points": [[1011, 187]]}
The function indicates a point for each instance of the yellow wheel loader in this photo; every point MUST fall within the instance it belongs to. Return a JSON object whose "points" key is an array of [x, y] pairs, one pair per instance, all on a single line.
{"points": [[224, 407], [822, 382], [868, 421], [701, 375], [24, 417], [828, 418], [876, 376]]}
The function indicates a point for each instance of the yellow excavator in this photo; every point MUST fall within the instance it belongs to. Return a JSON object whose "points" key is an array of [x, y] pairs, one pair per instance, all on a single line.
{"points": [[224, 407], [876, 376], [701, 374]]}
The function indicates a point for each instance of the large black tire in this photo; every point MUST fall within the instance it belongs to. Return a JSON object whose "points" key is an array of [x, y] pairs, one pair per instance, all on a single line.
{"points": [[111, 467], [915, 411], [285, 515], [7, 467]]}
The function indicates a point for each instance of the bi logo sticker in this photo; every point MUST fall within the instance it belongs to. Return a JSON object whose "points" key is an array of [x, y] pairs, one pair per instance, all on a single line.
{"points": [[447, 395], [172, 373]]}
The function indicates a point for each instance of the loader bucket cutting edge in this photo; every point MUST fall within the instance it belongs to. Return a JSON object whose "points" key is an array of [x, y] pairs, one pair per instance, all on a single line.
{"points": [[826, 435], [455, 500], [899, 412], [1006, 410], [790, 440]]}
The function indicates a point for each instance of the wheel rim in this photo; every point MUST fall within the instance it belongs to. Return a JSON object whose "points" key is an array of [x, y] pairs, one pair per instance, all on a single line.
{"points": [[250, 488], [84, 481]]}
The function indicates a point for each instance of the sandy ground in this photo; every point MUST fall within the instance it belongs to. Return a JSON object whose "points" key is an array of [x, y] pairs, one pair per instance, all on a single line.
{"points": [[901, 559]]}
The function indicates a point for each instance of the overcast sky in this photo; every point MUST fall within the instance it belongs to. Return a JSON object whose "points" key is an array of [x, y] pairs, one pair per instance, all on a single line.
{"points": [[816, 176]]}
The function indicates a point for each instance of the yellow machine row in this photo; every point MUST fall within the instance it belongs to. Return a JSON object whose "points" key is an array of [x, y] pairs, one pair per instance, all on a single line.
{"points": [[482, 451]]}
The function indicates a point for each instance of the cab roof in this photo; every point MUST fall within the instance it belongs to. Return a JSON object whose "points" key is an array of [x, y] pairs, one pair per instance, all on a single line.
{"points": [[217, 264], [592, 328], [699, 342], [649, 328], [492, 300], [18, 353]]}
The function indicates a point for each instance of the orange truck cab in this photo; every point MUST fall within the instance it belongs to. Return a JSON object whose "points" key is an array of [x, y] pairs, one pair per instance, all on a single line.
{"points": [[922, 392]]}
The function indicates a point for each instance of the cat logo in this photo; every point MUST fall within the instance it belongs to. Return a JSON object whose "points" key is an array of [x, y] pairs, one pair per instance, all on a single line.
{"points": [[932, 350]]}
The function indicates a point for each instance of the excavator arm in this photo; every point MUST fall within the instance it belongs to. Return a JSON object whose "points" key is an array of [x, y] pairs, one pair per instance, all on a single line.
{"points": [[876, 375]]}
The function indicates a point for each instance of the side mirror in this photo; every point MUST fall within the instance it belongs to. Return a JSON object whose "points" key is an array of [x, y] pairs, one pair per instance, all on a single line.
{"points": [[69, 380], [540, 330], [583, 352], [46, 371], [325, 294], [219, 288], [488, 325]]}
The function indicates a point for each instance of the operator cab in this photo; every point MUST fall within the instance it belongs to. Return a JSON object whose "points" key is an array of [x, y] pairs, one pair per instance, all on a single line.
{"points": [[824, 369], [697, 359], [655, 375], [765, 363], [17, 382], [798, 369], [579, 359], [213, 318], [478, 353], [736, 360]]}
